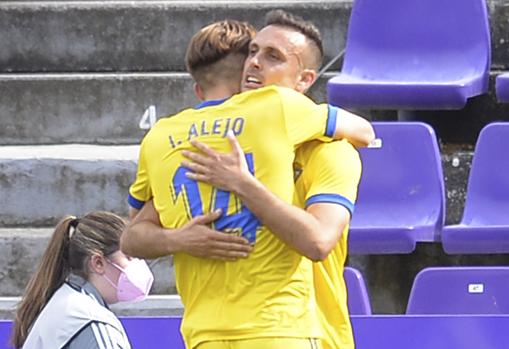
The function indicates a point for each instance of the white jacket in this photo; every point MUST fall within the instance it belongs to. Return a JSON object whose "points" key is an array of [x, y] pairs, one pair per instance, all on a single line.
{"points": [[68, 312]]}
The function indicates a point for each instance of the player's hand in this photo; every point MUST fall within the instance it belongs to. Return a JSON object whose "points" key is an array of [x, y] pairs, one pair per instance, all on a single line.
{"points": [[199, 240], [224, 171]]}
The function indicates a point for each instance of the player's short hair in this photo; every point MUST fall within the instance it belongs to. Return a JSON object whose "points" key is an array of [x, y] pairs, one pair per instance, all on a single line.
{"points": [[307, 28], [217, 52]]}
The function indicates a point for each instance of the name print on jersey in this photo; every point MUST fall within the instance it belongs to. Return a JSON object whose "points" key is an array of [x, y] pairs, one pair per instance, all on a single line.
{"points": [[219, 127]]}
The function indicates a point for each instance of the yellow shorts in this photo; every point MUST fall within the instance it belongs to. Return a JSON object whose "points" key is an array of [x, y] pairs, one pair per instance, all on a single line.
{"points": [[263, 343]]}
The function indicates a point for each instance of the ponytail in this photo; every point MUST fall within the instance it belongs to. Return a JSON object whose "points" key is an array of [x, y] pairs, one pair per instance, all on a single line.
{"points": [[97, 232], [49, 276]]}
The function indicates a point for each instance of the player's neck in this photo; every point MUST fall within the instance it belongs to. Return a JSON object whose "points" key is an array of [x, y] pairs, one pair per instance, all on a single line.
{"points": [[218, 92]]}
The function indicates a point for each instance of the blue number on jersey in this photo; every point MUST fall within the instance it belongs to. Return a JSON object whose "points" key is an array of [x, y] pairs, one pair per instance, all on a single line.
{"points": [[243, 220], [191, 194]]}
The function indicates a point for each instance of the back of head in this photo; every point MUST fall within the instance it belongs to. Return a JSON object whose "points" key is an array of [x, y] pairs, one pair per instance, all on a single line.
{"points": [[71, 246], [306, 28], [216, 53]]}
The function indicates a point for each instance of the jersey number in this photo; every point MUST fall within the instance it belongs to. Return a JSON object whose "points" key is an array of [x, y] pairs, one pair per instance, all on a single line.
{"points": [[242, 221]]}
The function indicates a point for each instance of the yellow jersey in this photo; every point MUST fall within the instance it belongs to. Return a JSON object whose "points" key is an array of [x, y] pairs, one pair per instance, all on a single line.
{"points": [[270, 293], [330, 173]]}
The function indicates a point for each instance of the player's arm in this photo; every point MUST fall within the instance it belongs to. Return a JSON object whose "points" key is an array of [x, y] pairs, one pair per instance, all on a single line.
{"points": [[305, 121], [132, 212], [354, 128], [146, 238], [313, 233]]}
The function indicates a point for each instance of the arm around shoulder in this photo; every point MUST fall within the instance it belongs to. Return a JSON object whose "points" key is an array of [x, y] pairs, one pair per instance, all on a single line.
{"points": [[353, 128]]}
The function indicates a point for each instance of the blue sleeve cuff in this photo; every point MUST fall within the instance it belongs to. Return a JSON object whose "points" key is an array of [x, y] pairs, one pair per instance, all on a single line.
{"points": [[332, 116], [135, 203], [331, 198]]}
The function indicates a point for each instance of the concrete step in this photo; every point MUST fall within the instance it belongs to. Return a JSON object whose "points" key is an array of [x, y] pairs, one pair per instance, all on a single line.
{"points": [[92, 108], [21, 250], [39, 185], [98, 36], [68, 36], [86, 108], [106, 108], [153, 305]]}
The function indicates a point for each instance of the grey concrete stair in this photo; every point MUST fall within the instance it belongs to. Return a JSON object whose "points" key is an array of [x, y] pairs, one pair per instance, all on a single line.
{"points": [[86, 108], [38, 185], [152, 35], [21, 250], [91, 108], [106, 108], [154, 305], [68, 36]]}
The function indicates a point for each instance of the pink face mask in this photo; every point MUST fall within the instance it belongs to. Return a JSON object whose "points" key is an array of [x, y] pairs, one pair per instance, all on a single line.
{"points": [[134, 281]]}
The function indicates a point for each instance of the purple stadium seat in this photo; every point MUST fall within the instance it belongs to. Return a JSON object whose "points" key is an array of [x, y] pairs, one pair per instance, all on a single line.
{"points": [[413, 54], [502, 87], [401, 194], [358, 300], [460, 290], [484, 227]]}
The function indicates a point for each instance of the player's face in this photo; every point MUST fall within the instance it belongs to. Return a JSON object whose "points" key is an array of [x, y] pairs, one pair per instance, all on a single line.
{"points": [[275, 58]]}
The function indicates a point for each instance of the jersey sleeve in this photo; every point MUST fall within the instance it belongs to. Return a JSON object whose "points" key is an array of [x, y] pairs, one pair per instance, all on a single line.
{"points": [[140, 191], [305, 120], [332, 174]]}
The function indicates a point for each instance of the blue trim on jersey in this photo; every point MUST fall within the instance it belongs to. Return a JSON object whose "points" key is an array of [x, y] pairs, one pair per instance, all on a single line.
{"points": [[332, 116], [331, 198], [135, 203], [210, 103]]}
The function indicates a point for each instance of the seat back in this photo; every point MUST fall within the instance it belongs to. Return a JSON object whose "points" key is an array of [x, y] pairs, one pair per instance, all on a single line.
{"points": [[402, 182], [460, 290], [418, 40], [487, 201], [358, 299]]}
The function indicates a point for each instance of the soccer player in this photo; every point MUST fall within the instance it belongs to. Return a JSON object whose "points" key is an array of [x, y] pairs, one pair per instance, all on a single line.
{"points": [[327, 176], [265, 300]]}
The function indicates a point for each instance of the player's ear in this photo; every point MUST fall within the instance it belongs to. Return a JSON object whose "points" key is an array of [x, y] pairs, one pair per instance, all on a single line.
{"points": [[198, 91], [306, 79]]}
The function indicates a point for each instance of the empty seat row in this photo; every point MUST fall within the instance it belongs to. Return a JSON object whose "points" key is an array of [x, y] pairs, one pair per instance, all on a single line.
{"points": [[401, 198], [415, 54], [443, 290]]}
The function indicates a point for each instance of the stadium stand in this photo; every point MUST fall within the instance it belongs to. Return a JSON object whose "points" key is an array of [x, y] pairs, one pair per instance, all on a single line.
{"points": [[358, 298], [85, 71], [401, 194], [484, 227], [402, 55], [460, 290]]}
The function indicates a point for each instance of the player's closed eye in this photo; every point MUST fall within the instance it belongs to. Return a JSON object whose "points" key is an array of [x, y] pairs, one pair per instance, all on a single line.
{"points": [[274, 56]]}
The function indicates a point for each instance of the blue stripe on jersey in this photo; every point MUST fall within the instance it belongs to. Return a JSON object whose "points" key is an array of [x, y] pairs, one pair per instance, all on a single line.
{"points": [[135, 203], [331, 198], [332, 116], [210, 103]]}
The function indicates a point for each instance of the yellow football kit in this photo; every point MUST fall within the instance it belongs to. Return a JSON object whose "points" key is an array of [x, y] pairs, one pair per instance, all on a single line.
{"points": [[330, 173], [270, 293]]}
